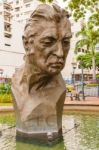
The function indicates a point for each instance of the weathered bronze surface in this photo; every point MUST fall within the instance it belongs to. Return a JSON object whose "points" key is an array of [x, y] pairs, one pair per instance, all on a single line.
{"points": [[38, 87]]}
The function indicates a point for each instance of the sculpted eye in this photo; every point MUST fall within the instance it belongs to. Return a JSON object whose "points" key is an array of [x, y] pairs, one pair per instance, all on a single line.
{"points": [[66, 41], [48, 41], [31, 41]]}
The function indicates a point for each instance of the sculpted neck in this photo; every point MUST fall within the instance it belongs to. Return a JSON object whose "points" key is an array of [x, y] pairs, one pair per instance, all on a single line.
{"points": [[33, 76]]}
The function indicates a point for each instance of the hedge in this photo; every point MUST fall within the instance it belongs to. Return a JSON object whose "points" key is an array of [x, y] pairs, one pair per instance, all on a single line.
{"points": [[92, 84], [5, 98]]}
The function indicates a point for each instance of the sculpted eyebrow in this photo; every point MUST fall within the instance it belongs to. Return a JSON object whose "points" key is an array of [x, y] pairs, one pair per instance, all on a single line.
{"points": [[68, 37], [48, 37], [31, 35]]}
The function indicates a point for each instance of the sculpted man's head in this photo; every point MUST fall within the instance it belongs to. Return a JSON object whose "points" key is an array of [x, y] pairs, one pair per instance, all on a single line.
{"points": [[47, 38]]}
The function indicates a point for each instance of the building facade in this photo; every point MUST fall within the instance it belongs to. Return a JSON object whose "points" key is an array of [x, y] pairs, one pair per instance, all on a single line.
{"points": [[13, 16], [10, 46]]}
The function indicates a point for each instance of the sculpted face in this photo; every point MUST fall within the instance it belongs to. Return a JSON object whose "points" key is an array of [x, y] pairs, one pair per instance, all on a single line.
{"points": [[48, 45]]}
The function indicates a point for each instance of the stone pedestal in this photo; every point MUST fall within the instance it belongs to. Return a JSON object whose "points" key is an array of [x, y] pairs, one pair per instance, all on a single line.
{"points": [[39, 113]]}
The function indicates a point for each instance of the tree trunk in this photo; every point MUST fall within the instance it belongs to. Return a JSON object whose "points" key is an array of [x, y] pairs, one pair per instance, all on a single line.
{"points": [[94, 67]]}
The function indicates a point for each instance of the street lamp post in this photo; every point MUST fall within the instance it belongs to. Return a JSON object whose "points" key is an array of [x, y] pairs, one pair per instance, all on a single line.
{"points": [[74, 64], [1, 72], [98, 86], [82, 79]]}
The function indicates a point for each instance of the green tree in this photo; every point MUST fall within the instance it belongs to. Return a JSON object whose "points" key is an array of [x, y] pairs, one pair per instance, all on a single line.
{"points": [[89, 37], [87, 60], [97, 60], [80, 8]]}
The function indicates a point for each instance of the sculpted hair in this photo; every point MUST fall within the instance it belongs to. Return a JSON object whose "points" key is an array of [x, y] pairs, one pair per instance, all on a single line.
{"points": [[48, 13]]}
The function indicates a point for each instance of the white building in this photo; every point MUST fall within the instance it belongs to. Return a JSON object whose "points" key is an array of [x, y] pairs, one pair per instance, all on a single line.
{"points": [[5, 26], [19, 11], [9, 44], [68, 70]]}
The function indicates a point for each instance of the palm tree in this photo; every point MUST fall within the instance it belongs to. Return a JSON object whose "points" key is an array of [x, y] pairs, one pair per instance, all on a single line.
{"points": [[89, 38], [86, 59]]}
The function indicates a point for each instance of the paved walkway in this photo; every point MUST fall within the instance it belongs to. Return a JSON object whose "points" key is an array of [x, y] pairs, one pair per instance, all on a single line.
{"points": [[87, 101], [6, 109], [90, 103]]}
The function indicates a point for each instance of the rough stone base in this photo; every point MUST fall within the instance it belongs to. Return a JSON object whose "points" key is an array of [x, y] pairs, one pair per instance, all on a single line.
{"points": [[45, 138]]}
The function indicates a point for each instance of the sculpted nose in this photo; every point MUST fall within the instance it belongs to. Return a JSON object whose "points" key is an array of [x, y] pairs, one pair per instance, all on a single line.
{"points": [[59, 50]]}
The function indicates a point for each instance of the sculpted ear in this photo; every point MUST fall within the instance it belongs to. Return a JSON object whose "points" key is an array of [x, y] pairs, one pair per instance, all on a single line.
{"points": [[25, 43]]}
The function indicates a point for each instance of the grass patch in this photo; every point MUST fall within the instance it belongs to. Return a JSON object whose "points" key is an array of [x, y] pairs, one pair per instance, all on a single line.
{"points": [[8, 118], [81, 113], [6, 104], [5, 98]]}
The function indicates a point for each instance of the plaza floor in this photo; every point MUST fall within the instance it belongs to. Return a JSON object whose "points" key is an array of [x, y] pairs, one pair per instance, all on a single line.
{"points": [[90, 103]]}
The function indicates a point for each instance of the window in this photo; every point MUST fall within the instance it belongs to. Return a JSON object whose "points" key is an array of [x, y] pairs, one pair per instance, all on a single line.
{"points": [[17, 8], [27, 5], [17, 1], [17, 15], [8, 8], [7, 18], [7, 27], [79, 50], [7, 35], [7, 44], [83, 50]]}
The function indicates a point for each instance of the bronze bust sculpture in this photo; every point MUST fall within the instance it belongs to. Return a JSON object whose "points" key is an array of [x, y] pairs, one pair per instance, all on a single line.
{"points": [[38, 87]]}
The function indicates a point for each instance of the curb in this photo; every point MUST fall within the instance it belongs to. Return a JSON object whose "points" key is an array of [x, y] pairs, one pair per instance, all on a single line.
{"points": [[6, 109], [67, 107], [81, 107]]}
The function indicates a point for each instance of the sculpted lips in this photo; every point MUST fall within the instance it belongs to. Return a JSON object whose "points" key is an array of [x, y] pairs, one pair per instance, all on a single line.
{"points": [[57, 65]]}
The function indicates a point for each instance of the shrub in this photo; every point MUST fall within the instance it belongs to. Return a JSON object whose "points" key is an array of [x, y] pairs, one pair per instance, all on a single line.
{"points": [[92, 84], [5, 98], [5, 88], [97, 76]]}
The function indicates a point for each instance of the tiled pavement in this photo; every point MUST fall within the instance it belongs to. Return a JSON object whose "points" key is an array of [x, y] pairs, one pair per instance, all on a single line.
{"points": [[89, 103], [88, 100]]}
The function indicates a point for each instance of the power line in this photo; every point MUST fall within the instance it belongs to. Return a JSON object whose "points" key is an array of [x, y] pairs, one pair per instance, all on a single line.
{"points": [[11, 52]]}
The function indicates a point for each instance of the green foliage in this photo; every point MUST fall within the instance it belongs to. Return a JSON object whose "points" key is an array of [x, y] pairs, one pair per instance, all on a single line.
{"points": [[92, 84], [7, 119], [97, 59], [5, 98], [89, 37], [79, 8], [6, 104], [87, 59], [5, 88], [97, 76], [45, 1]]}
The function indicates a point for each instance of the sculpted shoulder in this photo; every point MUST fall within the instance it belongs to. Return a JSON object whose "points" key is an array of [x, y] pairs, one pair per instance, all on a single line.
{"points": [[17, 76]]}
